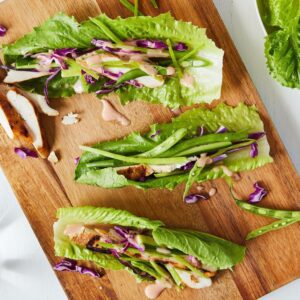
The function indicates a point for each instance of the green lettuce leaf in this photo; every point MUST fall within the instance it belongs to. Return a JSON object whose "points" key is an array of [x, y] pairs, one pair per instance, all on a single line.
{"points": [[63, 31], [237, 118], [210, 250], [94, 215], [282, 46]]}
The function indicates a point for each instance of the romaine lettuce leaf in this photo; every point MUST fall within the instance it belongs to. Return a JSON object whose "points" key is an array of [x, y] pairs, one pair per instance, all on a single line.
{"points": [[63, 31], [210, 250], [93, 215], [237, 118], [282, 46]]}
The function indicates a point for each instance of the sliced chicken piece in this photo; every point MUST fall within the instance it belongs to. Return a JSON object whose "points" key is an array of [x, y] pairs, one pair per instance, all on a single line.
{"points": [[12, 122], [41, 103], [149, 81], [30, 115], [135, 172], [192, 280], [14, 76]]}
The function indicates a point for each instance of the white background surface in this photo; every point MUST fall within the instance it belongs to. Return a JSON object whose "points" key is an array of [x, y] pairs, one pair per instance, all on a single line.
{"points": [[24, 270]]}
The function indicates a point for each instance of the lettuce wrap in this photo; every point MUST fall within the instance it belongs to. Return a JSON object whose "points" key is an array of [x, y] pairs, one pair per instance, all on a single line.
{"points": [[199, 145], [155, 59], [118, 240]]}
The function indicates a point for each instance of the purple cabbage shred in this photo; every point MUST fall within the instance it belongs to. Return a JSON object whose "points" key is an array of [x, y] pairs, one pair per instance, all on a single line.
{"points": [[193, 198], [180, 47], [221, 129], [25, 152], [3, 30], [258, 194], [256, 135], [157, 132], [71, 265], [254, 150], [152, 44]]}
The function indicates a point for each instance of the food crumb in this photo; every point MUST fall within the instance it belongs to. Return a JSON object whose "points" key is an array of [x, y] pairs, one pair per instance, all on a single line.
{"points": [[100, 287], [70, 119], [53, 157], [212, 192], [200, 188]]}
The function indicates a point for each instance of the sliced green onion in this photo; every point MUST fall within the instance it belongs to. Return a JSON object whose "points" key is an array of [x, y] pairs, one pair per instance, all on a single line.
{"points": [[132, 74], [136, 160], [271, 227], [173, 57], [154, 3], [174, 274], [106, 30], [205, 139], [194, 173], [166, 145], [159, 269], [188, 265], [204, 148], [165, 174], [102, 163], [129, 6], [190, 54], [136, 8], [146, 268]]}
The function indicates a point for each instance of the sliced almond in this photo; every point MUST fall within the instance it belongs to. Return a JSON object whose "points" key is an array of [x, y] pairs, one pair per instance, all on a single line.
{"points": [[12, 122], [29, 114]]}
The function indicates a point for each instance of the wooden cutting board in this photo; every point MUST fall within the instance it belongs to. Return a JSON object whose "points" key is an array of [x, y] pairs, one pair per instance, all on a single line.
{"points": [[272, 260]]}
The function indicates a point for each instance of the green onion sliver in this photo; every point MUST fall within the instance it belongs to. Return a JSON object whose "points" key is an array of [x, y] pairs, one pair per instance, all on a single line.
{"points": [[174, 274], [136, 160], [154, 3], [204, 148], [167, 144], [106, 30], [132, 74], [189, 54], [129, 6], [101, 163], [173, 57]]}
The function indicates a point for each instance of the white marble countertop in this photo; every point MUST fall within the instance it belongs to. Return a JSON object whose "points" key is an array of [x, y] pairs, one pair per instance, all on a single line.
{"points": [[24, 270]]}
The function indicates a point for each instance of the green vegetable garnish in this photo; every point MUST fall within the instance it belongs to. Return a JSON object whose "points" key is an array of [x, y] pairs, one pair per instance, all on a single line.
{"points": [[154, 3], [174, 59], [273, 226], [281, 19], [136, 160], [136, 7], [129, 6]]}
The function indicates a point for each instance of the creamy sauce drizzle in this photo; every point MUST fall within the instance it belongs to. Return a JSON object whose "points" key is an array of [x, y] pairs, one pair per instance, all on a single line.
{"points": [[109, 113], [187, 80], [212, 192]]}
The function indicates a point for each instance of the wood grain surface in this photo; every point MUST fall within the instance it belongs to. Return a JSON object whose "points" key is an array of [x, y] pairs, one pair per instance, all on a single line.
{"points": [[272, 260]]}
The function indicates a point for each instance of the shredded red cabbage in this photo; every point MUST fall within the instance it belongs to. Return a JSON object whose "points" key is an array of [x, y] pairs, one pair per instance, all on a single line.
{"points": [[258, 194], [152, 44], [256, 135], [25, 152], [254, 150], [193, 198], [188, 166], [109, 47], [76, 160], [71, 52], [180, 47], [71, 265], [157, 132], [3, 30], [219, 157], [129, 238], [221, 129], [200, 131]]}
